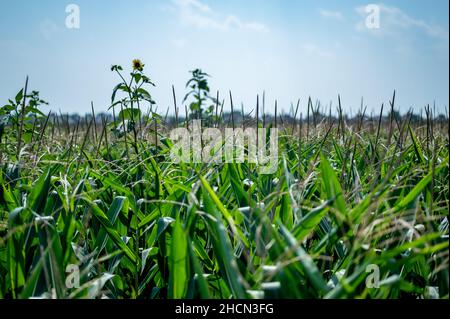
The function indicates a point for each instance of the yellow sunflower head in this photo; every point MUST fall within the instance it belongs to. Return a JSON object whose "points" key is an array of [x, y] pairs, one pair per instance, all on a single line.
{"points": [[138, 65]]}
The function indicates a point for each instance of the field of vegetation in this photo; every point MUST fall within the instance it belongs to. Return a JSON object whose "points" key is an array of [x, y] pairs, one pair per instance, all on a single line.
{"points": [[357, 208]]}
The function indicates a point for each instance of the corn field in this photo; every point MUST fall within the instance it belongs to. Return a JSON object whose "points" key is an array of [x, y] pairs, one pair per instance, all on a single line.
{"points": [[93, 206]]}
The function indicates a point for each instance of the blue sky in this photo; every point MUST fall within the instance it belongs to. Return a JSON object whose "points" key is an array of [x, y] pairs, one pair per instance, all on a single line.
{"points": [[290, 49]]}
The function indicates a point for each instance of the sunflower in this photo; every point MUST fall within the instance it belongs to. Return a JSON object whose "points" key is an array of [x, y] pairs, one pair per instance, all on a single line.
{"points": [[138, 65]]}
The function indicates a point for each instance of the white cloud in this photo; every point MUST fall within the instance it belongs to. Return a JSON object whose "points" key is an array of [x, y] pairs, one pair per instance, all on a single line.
{"points": [[195, 4], [334, 15], [314, 50], [48, 28], [199, 15], [393, 21]]}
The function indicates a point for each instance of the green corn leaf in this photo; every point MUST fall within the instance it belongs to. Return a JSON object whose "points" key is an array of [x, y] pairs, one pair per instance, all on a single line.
{"points": [[178, 263]]}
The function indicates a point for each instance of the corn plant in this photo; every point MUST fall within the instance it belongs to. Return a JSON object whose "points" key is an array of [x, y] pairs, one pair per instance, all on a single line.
{"points": [[357, 208]]}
